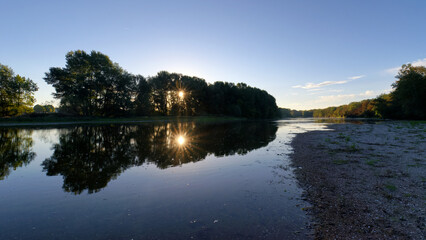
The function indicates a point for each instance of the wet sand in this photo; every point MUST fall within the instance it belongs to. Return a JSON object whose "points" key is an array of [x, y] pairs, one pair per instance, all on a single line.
{"points": [[364, 181]]}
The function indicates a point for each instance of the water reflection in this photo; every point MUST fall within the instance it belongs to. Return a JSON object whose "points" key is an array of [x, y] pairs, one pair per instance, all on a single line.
{"points": [[347, 120], [15, 150], [88, 157]]}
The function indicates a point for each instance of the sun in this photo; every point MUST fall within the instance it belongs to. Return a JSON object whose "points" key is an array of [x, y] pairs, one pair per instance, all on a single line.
{"points": [[181, 94], [181, 140]]}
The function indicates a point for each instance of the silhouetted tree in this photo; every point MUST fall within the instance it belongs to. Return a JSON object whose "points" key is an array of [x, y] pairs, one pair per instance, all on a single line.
{"points": [[92, 85], [143, 101]]}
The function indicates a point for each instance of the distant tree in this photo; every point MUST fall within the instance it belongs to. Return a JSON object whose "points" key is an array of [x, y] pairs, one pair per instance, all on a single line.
{"points": [[16, 93], [39, 109], [285, 112], [44, 108], [49, 108], [240, 100]]}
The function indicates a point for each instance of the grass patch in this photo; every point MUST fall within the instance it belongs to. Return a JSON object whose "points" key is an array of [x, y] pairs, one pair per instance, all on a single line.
{"points": [[328, 140], [414, 165], [353, 148], [372, 162], [420, 136], [390, 187], [340, 162]]}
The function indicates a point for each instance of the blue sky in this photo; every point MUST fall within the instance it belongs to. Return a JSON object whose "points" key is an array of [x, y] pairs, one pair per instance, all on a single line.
{"points": [[307, 54]]}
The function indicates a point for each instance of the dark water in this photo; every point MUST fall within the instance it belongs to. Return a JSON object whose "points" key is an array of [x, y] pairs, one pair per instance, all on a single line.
{"points": [[151, 181]]}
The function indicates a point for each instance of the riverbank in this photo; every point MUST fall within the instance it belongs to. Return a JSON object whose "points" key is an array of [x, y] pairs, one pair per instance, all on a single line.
{"points": [[69, 120], [364, 180]]}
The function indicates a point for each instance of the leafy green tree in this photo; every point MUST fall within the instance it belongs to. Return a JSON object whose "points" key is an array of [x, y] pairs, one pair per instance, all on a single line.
{"points": [[16, 93], [92, 85], [409, 94]]}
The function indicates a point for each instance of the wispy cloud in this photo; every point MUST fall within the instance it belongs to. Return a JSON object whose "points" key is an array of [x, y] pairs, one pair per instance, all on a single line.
{"points": [[318, 91], [356, 77], [395, 70], [319, 85], [340, 98]]}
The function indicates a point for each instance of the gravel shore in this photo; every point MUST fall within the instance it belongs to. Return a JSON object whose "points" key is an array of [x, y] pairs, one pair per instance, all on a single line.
{"points": [[364, 181]]}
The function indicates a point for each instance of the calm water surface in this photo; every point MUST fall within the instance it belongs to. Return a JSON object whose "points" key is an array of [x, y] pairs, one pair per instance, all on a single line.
{"points": [[151, 181]]}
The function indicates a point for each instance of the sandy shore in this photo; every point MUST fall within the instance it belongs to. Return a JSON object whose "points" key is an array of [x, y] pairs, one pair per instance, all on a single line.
{"points": [[364, 181]]}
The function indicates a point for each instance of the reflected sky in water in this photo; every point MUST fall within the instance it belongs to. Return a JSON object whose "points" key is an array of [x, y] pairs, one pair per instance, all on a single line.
{"points": [[151, 181]]}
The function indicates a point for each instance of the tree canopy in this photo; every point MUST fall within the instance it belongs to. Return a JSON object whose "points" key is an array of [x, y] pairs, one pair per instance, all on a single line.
{"points": [[409, 94], [92, 85], [16, 93]]}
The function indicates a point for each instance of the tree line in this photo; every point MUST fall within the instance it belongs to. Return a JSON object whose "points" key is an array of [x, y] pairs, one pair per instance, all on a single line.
{"points": [[407, 100], [92, 85]]}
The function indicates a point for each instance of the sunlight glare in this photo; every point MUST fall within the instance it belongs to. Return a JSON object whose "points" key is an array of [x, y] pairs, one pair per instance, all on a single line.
{"points": [[181, 94], [181, 140]]}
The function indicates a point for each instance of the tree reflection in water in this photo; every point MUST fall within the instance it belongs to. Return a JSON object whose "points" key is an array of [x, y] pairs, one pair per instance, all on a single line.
{"points": [[88, 157], [15, 150]]}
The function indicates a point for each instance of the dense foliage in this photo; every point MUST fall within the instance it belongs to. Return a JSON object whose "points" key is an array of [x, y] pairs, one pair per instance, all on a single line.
{"points": [[363, 109], [409, 95], [92, 85], [16, 93]]}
